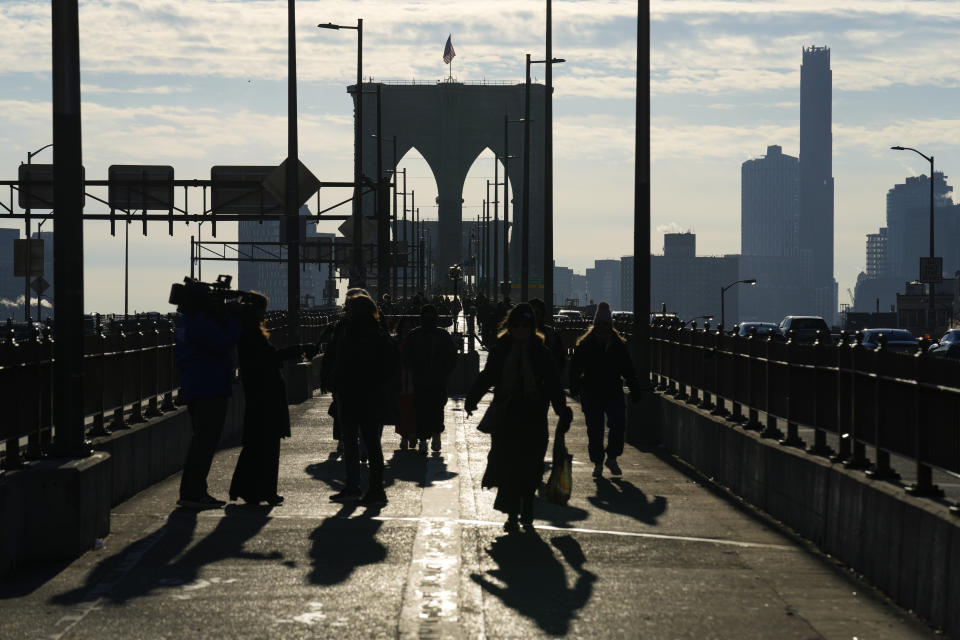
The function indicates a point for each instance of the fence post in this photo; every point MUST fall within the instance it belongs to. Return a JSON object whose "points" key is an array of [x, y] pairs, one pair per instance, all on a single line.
{"points": [[136, 411], [719, 402], [96, 362], [153, 408], [821, 355], [34, 396], [13, 358], [882, 469], [857, 459], [770, 429], [793, 390], [118, 358], [924, 486], [169, 346], [753, 417]]}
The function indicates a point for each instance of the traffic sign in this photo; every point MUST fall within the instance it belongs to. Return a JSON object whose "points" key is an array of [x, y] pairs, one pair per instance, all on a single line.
{"points": [[39, 285], [931, 270], [140, 187], [276, 183]]}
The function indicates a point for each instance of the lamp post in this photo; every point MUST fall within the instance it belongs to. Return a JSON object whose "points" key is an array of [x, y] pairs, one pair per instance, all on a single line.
{"points": [[931, 312], [525, 233], [723, 293], [506, 201], [358, 278]]}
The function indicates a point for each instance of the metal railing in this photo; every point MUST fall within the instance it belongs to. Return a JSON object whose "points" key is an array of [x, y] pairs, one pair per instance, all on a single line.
{"points": [[898, 403], [130, 375]]}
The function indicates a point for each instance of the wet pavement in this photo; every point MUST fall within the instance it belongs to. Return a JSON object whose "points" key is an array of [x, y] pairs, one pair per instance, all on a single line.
{"points": [[651, 554]]}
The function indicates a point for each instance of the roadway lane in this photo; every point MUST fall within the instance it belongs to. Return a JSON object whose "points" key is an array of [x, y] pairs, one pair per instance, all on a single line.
{"points": [[654, 554]]}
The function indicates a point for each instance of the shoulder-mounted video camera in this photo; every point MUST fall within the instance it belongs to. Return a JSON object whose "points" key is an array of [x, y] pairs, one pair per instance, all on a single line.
{"points": [[194, 295]]}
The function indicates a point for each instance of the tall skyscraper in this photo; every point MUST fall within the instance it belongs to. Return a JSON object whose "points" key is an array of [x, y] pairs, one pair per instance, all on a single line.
{"points": [[816, 177], [769, 204]]}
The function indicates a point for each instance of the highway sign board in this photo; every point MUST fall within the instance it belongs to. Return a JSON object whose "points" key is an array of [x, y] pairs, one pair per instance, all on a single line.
{"points": [[239, 190], [931, 270], [20, 258], [140, 187]]}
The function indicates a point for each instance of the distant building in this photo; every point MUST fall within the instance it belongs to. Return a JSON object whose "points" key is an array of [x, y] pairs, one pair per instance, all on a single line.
{"points": [[769, 204], [816, 220], [270, 278], [689, 284], [626, 283], [10, 288], [578, 288], [893, 253], [562, 285], [913, 307], [876, 253], [603, 283]]}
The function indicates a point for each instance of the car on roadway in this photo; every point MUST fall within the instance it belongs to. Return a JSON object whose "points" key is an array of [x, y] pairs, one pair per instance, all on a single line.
{"points": [[897, 339], [948, 346], [570, 315], [804, 328], [763, 329]]}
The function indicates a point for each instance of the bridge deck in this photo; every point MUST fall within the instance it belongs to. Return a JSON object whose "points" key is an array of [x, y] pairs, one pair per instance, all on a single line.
{"points": [[652, 555]]}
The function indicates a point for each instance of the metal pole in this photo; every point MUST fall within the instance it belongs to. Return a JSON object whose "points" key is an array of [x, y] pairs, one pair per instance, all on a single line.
{"points": [[525, 232], [358, 278], [413, 207], [293, 188], [68, 375], [723, 307], [28, 258], [126, 270], [548, 172], [394, 269], [383, 213], [641, 203], [931, 311], [486, 241], [496, 229], [506, 204], [406, 252]]}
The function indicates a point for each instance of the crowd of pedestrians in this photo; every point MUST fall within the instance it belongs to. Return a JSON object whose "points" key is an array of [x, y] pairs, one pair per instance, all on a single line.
{"points": [[382, 373]]}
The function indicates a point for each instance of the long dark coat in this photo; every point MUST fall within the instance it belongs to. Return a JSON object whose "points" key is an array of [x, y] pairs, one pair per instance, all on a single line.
{"points": [[518, 446], [266, 418]]}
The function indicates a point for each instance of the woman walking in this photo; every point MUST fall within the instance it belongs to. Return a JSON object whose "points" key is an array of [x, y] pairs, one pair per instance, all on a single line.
{"points": [[600, 366], [266, 418], [526, 382]]}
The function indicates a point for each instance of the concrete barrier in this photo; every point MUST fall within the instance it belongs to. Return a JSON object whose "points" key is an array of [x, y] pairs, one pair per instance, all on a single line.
{"points": [[907, 547]]}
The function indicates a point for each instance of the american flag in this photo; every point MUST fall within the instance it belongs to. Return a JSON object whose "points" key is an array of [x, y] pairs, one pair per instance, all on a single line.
{"points": [[448, 52]]}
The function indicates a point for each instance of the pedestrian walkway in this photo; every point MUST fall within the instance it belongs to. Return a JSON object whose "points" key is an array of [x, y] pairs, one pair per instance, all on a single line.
{"points": [[652, 554]]}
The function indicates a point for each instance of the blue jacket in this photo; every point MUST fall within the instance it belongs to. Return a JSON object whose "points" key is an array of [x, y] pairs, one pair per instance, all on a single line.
{"points": [[204, 354]]}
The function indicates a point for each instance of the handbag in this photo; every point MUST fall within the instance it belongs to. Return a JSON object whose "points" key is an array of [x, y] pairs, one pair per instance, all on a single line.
{"points": [[493, 418]]}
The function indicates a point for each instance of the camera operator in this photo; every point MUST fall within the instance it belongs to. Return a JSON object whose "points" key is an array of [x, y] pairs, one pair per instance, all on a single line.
{"points": [[207, 329]]}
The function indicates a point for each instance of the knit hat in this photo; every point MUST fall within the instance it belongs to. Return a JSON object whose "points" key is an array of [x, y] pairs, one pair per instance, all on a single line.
{"points": [[603, 313]]}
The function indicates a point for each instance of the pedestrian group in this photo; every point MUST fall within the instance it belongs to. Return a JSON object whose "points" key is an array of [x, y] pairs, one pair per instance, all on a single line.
{"points": [[377, 379]]}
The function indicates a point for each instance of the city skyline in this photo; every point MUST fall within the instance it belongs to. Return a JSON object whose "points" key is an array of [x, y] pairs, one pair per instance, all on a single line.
{"points": [[194, 84]]}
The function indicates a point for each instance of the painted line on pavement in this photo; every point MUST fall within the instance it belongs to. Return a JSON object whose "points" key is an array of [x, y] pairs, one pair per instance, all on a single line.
{"points": [[542, 527], [431, 598]]}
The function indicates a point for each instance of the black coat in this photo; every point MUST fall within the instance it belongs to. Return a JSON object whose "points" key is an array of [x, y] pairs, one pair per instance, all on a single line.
{"points": [[518, 447], [430, 355], [264, 390], [598, 370], [364, 363]]}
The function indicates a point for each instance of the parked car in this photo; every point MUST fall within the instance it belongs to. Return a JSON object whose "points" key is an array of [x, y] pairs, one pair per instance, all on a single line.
{"points": [[763, 329], [948, 346], [622, 316], [897, 339], [804, 328]]}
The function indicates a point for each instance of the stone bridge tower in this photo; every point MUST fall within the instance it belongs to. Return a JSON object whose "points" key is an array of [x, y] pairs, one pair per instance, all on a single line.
{"points": [[450, 124]]}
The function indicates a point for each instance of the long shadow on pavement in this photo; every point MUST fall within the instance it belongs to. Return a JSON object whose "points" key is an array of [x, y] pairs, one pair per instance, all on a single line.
{"points": [[341, 544], [623, 497], [158, 554], [536, 581]]}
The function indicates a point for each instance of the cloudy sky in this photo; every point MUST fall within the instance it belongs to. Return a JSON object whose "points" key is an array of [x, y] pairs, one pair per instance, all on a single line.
{"points": [[195, 83]]}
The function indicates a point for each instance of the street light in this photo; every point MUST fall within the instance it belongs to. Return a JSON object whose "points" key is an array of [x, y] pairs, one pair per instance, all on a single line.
{"points": [[525, 239], [357, 277], [723, 293], [931, 313]]}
